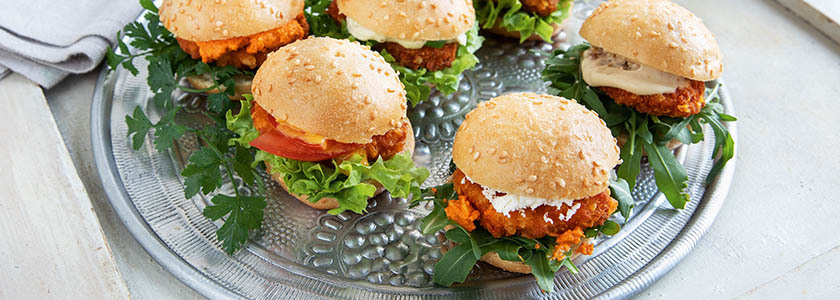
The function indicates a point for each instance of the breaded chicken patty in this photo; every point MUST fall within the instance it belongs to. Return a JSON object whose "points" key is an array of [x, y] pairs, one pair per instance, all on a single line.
{"points": [[684, 102], [530, 223], [433, 59], [540, 7], [246, 52]]}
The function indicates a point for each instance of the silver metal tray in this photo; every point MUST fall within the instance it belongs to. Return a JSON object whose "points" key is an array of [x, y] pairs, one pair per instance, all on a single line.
{"points": [[304, 253]]}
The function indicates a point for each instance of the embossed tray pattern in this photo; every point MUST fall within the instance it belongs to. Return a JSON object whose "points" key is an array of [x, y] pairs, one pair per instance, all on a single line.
{"points": [[301, 252]]}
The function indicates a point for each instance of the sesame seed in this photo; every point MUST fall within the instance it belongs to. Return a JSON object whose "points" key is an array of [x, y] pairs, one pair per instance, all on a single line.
{"points": [[472, 148], [357, 75], [390, 90], [368, 100], [354, 85], [219, 23], [581, 155], [284, 117], [529, 191], [532, 178], [491, 151], [476, 155], [309, 67]]}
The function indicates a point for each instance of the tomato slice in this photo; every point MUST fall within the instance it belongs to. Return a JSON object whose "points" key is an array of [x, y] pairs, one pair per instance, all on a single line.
{"points": [[277, 143]]}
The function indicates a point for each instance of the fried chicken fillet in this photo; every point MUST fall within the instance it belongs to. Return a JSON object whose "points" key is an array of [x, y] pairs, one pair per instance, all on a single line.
{"points": [[433, 59], [540, 7], [247, 52], [684, 102], [530, 223]]}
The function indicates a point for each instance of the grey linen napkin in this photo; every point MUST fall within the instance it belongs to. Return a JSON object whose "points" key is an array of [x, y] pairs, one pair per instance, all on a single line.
{"points": [[45, 40]]}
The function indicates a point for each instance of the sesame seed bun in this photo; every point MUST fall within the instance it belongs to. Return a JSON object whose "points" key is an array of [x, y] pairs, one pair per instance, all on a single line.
{"points": [[656, 33], [536, 145], [210, 20], [334, 88], [416, 20], [330, 203]]}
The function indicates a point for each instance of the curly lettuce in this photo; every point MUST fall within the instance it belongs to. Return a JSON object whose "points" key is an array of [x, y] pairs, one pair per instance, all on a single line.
{"points": [[418, 83], [514, 19], [349, 182]]}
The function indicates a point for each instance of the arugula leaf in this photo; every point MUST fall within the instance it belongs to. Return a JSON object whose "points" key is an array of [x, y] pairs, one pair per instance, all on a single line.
{"points": [[542, 271], [321, 23], [514, 19], [451, 267], [620, 191], [243, 214], [671, 178], [437, 220]]}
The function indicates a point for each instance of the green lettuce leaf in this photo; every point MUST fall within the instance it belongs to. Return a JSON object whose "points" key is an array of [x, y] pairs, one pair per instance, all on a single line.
{"points": [[514, 19], [348, 181]]}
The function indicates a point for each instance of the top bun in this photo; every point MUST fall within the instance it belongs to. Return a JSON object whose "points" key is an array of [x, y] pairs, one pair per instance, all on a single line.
{"points": [[656, 33], [536, 145], [334, 88], [415, 20], [210, 20]]}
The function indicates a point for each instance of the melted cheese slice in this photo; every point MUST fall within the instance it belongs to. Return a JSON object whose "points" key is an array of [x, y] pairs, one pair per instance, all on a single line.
{"points": [[611, 70]]}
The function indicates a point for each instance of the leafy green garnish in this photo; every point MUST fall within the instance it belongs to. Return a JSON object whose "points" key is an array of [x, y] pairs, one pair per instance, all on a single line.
{"points": [[348, 181], [644, 132], [456, 263], [620, 191], [216, 157], [417, 82], [514, 19]]}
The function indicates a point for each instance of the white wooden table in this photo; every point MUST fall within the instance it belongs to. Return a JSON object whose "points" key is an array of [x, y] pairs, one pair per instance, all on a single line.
{"points": [[776, 235]]}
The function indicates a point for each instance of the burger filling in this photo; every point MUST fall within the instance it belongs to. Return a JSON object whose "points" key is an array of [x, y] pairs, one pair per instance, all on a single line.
{"points": [[644, 88], [282, 139], [540, 7], [414, 54], [247, 52], [535, 221]]}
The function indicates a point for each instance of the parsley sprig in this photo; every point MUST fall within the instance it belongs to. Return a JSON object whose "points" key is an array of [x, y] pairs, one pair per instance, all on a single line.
{"points": [[217, 157], [645, 133]]}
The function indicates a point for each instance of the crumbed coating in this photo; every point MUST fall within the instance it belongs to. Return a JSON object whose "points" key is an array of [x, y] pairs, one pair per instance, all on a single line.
{"points": [[684, 102], [247, 52], [540, 7], [529, 223], [433, 59]]}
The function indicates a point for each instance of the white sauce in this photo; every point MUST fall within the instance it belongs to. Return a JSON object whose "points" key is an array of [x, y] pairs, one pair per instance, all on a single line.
{"points": [[509, 202], [361, 33], [612, 70]]}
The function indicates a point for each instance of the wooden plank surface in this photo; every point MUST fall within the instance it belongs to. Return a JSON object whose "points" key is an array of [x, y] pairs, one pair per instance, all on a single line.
{"points": [[52, 245], [824, 15]]}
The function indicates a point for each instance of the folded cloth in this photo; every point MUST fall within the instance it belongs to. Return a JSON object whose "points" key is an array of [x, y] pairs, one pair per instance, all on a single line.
{"points": [[45, 40]]}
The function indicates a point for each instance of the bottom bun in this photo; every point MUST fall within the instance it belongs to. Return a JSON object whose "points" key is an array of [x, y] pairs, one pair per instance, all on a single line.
{"points": [[330, 203], [242, 85]]}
